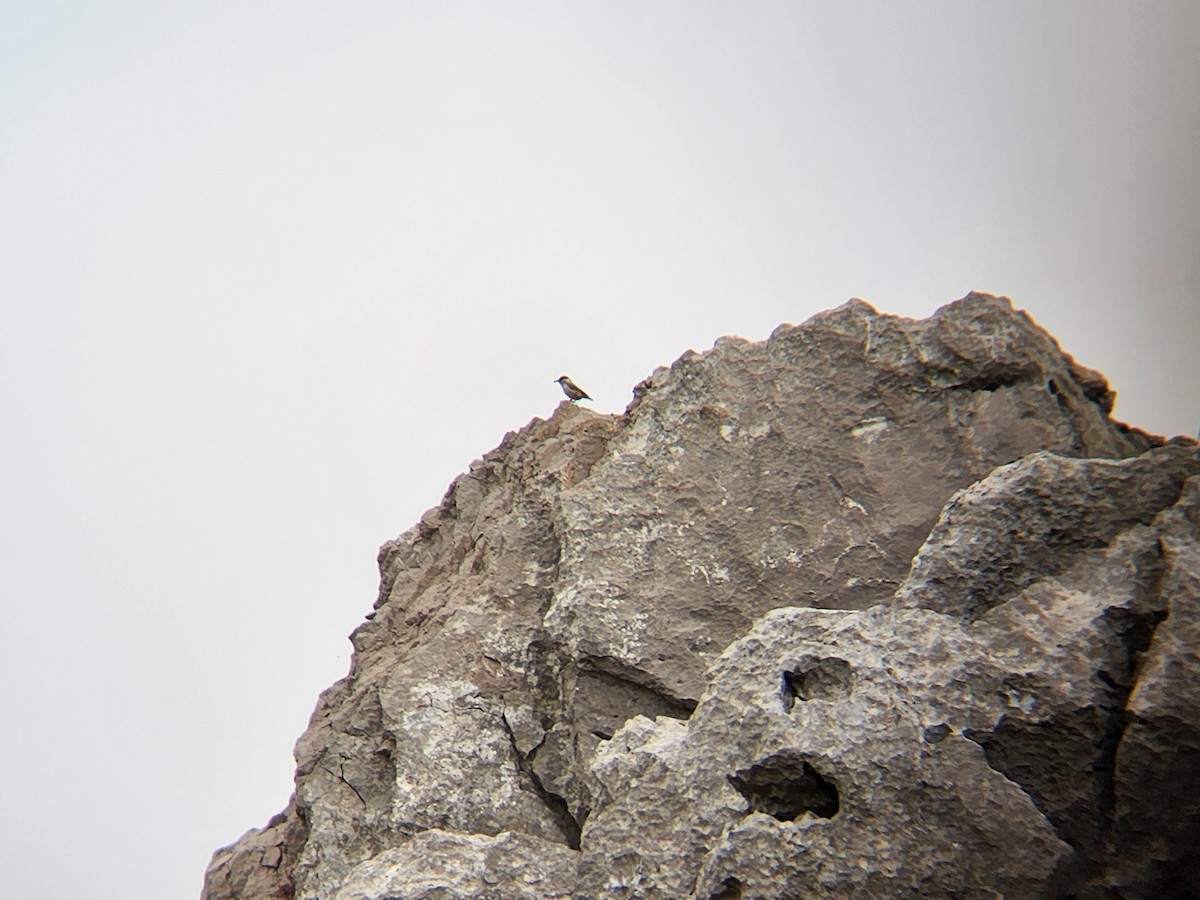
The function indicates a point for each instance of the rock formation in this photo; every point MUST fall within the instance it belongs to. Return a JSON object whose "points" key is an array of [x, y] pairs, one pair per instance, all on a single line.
{"points": [[873, 608]]}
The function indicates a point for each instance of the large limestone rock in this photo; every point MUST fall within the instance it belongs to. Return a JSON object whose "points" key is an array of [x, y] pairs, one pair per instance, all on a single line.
{"points": [[913, 749], [874, 607]]}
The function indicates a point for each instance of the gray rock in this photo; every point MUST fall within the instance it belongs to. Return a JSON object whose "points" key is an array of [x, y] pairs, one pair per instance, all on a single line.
{"points": [[440, 864], [1153, 846], [908, 752], [867, 789], [916, 698], [805, 470], [1033, 519]]}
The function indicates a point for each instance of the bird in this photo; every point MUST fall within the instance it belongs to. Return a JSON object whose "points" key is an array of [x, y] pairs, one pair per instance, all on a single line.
{"points": [[571, 389]]}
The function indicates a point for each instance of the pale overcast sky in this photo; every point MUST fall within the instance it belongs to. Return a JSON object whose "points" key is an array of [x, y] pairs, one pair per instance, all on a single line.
{"points": [[273, 273]]}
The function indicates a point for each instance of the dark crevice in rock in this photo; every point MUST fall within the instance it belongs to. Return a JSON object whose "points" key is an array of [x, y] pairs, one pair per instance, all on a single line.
{"points": [[817, 679], [731, 889], [786, 786], [1058, 764], [1136, 631], [570, 827], [1019, 751], [1067, 765], [340, 775], [630, 688], [990, 381], [1110, 741], [935, 734], [1115, 687], [1065, 405]]}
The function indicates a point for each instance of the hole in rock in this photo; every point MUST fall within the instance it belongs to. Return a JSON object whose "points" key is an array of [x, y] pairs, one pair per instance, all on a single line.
{"points": [[731, 889], [606, 698], [817, 679], [786, 786], [935, 734], [992, 379]]}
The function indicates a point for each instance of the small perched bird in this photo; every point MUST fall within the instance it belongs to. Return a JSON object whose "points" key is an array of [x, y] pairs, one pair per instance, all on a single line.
{"points": [[571, 389]]}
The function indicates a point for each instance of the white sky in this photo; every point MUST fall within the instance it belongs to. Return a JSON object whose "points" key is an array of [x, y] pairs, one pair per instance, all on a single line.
{"points": [[272, 273]]}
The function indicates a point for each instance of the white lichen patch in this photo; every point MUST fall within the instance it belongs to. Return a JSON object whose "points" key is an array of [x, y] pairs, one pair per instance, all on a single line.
{"points": [[870, 428], [712, 573], [1022, 700], [504, 643], [534, 572], [851, 503], [637, 439], [731, 432]]}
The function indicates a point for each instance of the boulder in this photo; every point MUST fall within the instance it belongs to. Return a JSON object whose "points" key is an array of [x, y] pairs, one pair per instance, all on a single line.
{"points": [[874, 607]]}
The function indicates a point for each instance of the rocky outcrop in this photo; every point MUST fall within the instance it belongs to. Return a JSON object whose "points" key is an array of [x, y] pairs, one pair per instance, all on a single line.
{"points": [[920, 749], [876, 607]]}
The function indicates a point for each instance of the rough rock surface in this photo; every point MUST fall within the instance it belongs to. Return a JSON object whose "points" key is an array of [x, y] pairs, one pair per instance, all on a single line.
{"points": [[876, 607]]}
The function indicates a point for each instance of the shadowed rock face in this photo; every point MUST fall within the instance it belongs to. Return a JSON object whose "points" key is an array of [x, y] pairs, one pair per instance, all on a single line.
{"points": [[875, 607]]}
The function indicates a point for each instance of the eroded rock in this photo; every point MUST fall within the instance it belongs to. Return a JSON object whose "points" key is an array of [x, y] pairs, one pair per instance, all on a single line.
{"points": [[531, 707], [440, 864]]}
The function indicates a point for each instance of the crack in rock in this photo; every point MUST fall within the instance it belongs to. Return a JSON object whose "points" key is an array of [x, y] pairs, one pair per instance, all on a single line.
{"points": [[557, 805]]}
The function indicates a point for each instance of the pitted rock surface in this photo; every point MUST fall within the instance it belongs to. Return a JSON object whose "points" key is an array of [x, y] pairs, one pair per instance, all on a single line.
{"points": [[876, 607]]}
